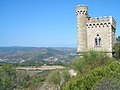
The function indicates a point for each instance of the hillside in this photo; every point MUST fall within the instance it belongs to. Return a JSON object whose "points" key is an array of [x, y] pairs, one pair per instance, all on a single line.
{"points": [[37, 55]]}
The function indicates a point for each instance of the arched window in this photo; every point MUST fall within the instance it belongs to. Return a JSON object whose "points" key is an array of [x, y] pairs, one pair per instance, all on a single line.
{"points": [[97, 40]]}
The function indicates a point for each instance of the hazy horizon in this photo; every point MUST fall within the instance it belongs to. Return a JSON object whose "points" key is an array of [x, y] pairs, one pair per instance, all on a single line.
{"points": [[42, 46]]}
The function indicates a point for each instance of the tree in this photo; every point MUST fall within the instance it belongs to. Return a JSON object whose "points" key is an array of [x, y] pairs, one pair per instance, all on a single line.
{"points": [[8, 77], [117, 48]]}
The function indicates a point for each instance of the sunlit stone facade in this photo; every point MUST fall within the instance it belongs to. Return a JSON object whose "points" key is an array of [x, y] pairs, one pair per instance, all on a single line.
{"points": [[95, 33]]}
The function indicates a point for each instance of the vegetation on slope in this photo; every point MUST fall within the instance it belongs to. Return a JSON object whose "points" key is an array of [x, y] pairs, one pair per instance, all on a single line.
{"points": [[8, 78], [56, 79], [96, 72]]}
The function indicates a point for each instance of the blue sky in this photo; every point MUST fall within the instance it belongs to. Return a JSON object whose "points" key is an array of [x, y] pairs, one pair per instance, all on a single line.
{"points": [[48, 23]]}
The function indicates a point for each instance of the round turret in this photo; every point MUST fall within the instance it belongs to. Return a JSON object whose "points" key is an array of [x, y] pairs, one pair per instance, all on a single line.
{"points": [[82, 14]]}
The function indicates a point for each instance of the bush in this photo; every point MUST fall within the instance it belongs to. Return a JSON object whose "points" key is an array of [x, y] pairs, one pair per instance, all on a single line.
{"points": [[8, 78], [107, 84], [56, 79], [94, 68], [90, 61]]}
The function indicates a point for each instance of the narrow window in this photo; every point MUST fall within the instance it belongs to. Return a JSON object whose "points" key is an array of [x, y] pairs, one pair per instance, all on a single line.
{"points": [[97, 40]]}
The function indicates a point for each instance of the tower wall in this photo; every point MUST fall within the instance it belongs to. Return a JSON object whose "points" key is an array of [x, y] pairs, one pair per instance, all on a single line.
{"points": [[82, 12], [105, 28], [95, 33]]}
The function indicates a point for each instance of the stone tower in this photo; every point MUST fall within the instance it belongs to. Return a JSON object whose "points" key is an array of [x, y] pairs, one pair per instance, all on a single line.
{"points": [[95, 33], [81, 12]]}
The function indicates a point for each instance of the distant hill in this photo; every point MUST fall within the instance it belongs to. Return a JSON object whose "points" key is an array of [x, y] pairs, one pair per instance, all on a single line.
{"points": [[37, 55]]}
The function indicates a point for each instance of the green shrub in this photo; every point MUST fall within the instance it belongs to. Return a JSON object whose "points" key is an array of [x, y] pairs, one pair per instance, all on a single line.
{"points": [[94, 68], [56, 79], [91, 60], [8, 78], [107, 84]]}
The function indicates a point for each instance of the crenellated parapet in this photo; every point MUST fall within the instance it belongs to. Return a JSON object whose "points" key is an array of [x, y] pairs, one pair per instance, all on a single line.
{"points": [[81, 10], [99, 22]]}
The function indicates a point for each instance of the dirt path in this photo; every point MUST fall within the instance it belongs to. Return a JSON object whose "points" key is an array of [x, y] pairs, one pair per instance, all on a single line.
{"points": [[40, 68]]}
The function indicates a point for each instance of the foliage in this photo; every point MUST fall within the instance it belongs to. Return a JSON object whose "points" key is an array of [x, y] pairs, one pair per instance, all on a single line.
{"points": [[56, 79], [94, 68], [90, 60], [117, 48], [8, 78], [90, 80], [28, 82], [37, 79], [107, 84], [23, 80]]}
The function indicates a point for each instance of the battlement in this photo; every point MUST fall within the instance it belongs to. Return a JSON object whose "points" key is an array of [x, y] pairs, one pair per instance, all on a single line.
{"points": [[101, 22], [82, 9], [98, 19], [82, 12]]}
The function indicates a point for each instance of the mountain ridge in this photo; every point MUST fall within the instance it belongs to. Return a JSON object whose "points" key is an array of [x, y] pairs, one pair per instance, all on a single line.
{"points": [[36, 54]]}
